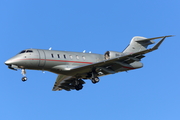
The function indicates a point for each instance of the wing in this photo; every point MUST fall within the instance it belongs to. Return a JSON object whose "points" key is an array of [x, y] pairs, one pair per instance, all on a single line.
{"points": [[122, 61], [65, 82]]}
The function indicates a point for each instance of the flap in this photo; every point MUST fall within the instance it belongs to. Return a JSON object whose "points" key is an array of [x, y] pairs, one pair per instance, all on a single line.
{"points": [[59, 82], [65, 82]]}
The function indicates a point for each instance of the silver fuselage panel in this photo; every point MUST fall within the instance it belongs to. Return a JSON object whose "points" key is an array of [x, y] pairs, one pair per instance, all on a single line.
{"points": [[60, 62]]}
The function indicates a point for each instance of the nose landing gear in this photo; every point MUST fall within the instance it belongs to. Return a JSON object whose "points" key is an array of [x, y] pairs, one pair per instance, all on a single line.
{"points": [[24, 79], [23, 72]]}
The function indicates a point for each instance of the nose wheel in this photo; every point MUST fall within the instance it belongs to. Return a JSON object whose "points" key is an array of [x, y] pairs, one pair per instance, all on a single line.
{"points": [[23, 72], [24, 79]]}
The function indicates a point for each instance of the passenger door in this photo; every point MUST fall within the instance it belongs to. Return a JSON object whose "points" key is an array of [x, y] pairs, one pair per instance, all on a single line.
{"points": [[42, 58]]}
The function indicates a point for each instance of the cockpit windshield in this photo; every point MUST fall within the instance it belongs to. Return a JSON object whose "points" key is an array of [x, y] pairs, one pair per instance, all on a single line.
{"points": [[22, 51], [26, 51]]}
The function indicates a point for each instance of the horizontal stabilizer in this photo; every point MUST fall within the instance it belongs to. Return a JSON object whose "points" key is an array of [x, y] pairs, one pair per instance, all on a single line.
{"points": [[158, 44], [148, 39]]}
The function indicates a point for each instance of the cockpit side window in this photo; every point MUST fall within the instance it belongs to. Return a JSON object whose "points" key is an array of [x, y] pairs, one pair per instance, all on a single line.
{"points": [[22, 51]]}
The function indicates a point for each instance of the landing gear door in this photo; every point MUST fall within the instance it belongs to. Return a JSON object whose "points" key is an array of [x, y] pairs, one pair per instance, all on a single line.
{"points": [[42, 58]]}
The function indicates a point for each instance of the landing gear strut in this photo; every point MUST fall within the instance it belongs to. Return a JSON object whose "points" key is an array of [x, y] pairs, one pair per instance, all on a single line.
{"points": [[78, 84], [23, 72]]}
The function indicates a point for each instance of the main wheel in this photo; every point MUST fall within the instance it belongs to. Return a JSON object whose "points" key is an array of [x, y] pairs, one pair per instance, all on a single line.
{"points": [[95, 80], [24, 79], [78, 87]]}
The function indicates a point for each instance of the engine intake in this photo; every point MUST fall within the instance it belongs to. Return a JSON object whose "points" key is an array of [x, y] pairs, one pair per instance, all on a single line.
{"points": [[112, 54]]}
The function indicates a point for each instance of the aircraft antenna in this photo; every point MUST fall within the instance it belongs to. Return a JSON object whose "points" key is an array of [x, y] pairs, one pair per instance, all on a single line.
{"points": [[50, 48], [84, 51]]}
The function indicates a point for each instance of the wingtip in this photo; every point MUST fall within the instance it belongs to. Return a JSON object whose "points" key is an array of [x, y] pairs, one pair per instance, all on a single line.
{"points": [[169, 36]]}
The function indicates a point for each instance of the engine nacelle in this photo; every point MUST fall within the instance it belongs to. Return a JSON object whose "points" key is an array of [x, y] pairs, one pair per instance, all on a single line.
{"points": [[112, 54]]}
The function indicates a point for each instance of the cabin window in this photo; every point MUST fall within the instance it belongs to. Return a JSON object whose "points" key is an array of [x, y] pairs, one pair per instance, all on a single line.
{"points": [[52, 55], [71, 56], [83, 57], [64, 56], [58, 55], [77, 57]]}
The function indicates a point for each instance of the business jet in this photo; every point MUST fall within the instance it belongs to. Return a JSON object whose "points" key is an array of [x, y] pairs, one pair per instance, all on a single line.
{"points": [[75, 67]]}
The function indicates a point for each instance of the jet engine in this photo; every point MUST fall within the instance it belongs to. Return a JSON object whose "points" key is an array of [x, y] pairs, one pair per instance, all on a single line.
{"points": [[112, 54]]}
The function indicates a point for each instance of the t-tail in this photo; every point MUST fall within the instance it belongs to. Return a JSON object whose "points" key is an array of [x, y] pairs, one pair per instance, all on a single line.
{"points": [[138, 44]]}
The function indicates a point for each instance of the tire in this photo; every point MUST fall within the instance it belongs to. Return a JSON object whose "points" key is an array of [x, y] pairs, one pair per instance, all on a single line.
{"points": [[95, 80], [24, 79], [78, 87]]}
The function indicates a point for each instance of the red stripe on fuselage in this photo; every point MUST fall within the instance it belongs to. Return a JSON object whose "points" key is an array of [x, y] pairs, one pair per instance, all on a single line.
{"points": [[66, 61], [57, 60]]}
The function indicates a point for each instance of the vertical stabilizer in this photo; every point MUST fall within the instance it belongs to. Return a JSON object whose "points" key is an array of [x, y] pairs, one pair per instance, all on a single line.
{"points": [[138, 44]]}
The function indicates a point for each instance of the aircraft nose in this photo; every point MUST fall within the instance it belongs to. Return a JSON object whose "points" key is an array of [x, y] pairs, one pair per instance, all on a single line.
{"points": [[8, 62]]}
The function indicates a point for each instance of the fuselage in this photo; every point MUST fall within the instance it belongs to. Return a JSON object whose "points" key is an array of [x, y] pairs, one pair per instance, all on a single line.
{"points": [[39, 59], [61, 62]]}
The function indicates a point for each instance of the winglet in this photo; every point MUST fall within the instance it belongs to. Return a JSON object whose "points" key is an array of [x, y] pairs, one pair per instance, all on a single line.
{"points": [[159, 43]]}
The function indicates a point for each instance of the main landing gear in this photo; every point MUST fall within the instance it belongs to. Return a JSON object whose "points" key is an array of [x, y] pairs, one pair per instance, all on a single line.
{"points": [[23, 72], [78, 85], [94, 78]]}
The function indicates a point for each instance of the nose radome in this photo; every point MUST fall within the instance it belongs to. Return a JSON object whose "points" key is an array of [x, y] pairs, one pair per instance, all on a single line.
{"points": [[12, 61], [8, 62]]}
